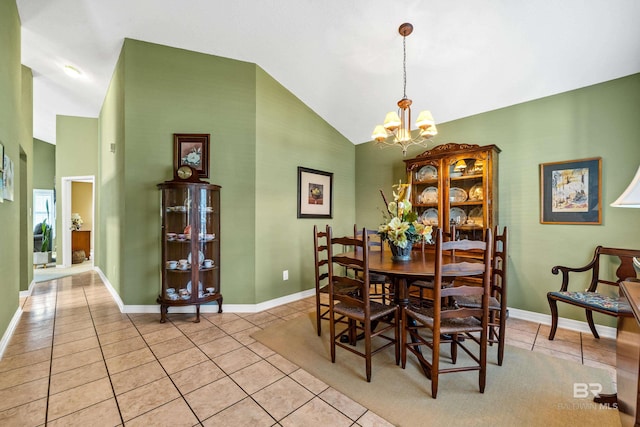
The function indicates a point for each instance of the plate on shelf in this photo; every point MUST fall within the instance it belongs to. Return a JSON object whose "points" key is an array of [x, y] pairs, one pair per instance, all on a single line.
{"points": [[457, 195], [458, 216], [200, 256], [427, 172], [475, 215], [429, 195], [429, 217], [189, 286], [476, 192]]}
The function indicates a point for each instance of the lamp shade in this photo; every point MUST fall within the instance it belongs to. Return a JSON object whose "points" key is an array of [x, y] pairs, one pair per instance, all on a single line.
{"points": [[392, 121], [379, 133], [425, 120], [631, 196]]}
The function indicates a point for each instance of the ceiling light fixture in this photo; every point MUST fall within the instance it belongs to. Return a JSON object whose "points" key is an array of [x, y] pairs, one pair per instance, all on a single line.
{"points": [[72, 71], [630, 198], [396, 130]]}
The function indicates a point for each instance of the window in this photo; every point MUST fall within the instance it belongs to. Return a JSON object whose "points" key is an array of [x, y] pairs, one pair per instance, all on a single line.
{"points": [[42, 199]]}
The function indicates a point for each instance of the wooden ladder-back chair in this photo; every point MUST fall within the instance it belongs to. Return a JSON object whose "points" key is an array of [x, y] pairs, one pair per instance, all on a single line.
{"points": [[591, 299], [498, 297], [322, 277], [446, 323], [382, 288], [360, 312], [424, 288]]}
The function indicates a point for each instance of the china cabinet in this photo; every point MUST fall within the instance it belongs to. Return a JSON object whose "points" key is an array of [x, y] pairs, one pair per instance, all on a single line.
{"points": [[190, 240], [456, 184]]}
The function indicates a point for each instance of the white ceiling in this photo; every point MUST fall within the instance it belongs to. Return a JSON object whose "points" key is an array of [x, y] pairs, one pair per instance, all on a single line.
{"points": [[343, 58]]}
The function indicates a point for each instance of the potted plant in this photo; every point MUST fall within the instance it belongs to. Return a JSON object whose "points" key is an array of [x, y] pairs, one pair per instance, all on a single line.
{"points": [[44, 256]]}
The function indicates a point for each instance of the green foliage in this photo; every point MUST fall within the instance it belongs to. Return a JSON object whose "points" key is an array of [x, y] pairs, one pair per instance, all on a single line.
{"points": [[46, 232]]}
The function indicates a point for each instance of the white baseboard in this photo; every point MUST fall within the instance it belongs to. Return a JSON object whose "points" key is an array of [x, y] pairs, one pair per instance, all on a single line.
{"points": [[6, 337], [574, 325], [27, 293]]}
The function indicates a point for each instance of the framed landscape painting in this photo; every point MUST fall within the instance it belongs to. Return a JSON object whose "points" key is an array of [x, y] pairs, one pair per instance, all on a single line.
{"points": [[571, 192], [192, 149], [315, 193]]}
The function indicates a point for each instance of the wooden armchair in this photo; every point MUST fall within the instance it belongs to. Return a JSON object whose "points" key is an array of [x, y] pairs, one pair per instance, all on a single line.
{"points": [[590, 299]]}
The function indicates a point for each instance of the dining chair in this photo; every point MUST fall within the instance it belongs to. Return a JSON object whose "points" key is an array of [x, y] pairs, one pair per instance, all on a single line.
{"points": [[363, 316], [448, 322], [498, 294], [424, 288], [382, 287], [321, 257]]}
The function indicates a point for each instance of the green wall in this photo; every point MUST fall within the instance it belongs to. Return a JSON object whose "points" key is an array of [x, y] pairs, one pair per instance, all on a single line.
{"points": [[16, 135], [260, 133], [596, 121], [44, 160]]}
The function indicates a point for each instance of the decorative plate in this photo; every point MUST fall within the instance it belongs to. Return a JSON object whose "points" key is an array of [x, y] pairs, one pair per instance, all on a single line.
{"points": [[458, 216], [201, 258], [427, 172], [429, 217], [189, 286], [429, 195], [476, 192], [457, 195], [475, 215]]}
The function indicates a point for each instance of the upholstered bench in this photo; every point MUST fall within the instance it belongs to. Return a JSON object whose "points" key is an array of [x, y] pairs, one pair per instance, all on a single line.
{"points": [[590, 299]]}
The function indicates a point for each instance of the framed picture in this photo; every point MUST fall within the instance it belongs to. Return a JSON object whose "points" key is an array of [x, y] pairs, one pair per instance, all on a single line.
{"points": [[8, 179], [571, 192], [192, 149], [315, 193], [1, 157]]}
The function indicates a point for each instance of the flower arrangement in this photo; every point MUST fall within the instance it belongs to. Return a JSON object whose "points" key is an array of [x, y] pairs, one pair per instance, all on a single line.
{"points": [[76, 221], [192, 158], [401, 227]]}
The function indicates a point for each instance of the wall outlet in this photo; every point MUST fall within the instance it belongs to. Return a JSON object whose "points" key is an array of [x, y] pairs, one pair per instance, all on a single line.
{"points": [[285, 275]]}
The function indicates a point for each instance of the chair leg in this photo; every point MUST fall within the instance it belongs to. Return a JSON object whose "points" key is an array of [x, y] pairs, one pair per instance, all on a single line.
{"points": [[397, 320], [554, 317], [483, 360], [403, 340], [454, 348], [332, 336], [367, 349], [501, 332], [318, 315], [435, 364], [591, 324]]}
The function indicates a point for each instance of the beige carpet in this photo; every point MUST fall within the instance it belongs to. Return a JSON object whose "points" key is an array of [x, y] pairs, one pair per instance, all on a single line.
{"points": [[530, 389]]}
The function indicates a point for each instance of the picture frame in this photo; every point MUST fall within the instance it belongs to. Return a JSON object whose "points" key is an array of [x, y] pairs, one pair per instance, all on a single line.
{"points": [[315, 193], [571, 192], [1, 157], [8, 179], [192, 149]]}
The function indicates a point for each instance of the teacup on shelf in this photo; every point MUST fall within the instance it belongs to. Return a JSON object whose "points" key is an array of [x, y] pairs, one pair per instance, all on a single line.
{"points": [[208, 263], [171, 265]]}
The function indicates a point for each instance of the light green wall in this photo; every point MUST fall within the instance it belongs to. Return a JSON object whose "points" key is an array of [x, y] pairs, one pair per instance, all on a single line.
{"points": [[289, 134], [596, 121], [76, 138], [16, 124], [44, 160]]}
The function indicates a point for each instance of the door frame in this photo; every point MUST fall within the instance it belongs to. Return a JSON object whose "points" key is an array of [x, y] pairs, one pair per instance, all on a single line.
{"points": [[65, 213]]}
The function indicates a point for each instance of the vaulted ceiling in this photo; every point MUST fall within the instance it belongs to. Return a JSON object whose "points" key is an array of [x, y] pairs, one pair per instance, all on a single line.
{"points": [[342, 58]]}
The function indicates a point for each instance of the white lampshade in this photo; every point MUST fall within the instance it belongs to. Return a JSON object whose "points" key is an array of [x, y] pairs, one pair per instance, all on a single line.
{"points": [[631, 196], [425, 120], [379, 133], [392, 121]]}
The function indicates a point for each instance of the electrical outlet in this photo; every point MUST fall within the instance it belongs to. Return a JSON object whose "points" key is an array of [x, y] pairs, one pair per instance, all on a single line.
{"points": [[285, 275]]}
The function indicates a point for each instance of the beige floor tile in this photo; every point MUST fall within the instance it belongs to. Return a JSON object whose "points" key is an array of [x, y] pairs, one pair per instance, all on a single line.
{"points": [[197, 376], [244, 336], [143, 399], [183, 360], [342, 403], [316, 413], [260, 349], [173, 414], [77, 377], [25, 359], [73, 335], [257, 376], [215, 397], [236, 360], [29, 414], [204, 336], [163, 335], [118, 325], [75, 360], [259, 318], [282, 397], [589, 340], [24, 393], [244, 413], [522, 325], [104, 413], [283, 364], [559, 354], [66, 349], [309, 381], [18, 348], [30, 336], [221, 318], [77, 398], [235, 326], [129, 360], [371, 419], [282, 311], [123, 333], [175, 345], [602, 355], [24, 375], [122, 347], [220, 346], [137, 377]]}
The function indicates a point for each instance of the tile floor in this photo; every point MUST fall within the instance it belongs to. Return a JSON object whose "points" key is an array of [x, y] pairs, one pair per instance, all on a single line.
{"points": [[74, 359]]}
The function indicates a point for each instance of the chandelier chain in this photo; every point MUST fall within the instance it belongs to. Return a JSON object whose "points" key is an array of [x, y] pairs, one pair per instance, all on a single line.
{"points": [[404, 65]]}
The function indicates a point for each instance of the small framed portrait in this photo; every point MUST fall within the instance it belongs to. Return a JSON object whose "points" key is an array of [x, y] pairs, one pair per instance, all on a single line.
{"points": [[192, 149], [315, 193]]}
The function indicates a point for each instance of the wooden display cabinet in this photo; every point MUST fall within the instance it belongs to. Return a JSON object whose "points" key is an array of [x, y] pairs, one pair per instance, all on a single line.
{"points": [[190, 239], [456, 184]]}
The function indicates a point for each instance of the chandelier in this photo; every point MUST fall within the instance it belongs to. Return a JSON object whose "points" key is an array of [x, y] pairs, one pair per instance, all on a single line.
{"points": [[396, 130]]}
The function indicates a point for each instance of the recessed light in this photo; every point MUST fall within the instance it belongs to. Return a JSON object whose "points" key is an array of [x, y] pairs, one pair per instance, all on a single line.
{"points": [[72, 71]]}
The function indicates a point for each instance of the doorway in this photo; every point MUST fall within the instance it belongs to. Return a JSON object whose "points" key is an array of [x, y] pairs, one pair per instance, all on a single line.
{"points": [[77, 199]]}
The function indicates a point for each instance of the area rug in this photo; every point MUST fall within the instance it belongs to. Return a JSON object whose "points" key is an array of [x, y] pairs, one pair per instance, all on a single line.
{"points": [[530, 389]]}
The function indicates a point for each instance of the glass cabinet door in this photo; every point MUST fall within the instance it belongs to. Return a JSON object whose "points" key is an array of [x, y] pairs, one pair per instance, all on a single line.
{"points": [[177, 244]]}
